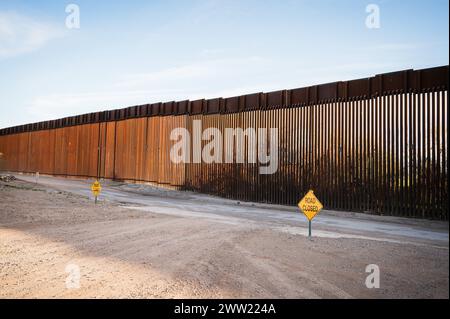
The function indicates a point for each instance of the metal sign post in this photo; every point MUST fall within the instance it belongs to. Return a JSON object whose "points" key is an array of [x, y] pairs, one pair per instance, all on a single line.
{"points": [[309, 232]]}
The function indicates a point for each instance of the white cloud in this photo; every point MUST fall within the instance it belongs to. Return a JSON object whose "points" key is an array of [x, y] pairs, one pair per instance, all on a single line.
{"points": [[203, 72], [207, 53], [61, 105], [204, 79], [20, 34], [54, 106], [395, 47]]}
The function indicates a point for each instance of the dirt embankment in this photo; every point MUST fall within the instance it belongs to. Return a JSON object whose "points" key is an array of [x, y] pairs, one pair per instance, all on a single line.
{"points": [[46, 234]]}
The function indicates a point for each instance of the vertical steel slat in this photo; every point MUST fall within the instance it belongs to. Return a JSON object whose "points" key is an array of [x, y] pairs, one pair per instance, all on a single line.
{"points": [[337, 154], [354, 162], [404, 154], [437, 169], [409, 148], [423, 184], [374, 155], [297, 155], [418, 167], [335, 138], [358, 146], [398, 156], [328, 153], [392, 145], [341, 151], [427, 170], [444, 142], [310, 170], [434, 180], [348, 158], [429, 186], [412, 156], [383, 132]]}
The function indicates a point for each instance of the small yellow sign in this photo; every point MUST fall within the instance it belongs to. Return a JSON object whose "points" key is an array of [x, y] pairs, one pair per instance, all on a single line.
{"points": [[310, 205], [96, 188]]}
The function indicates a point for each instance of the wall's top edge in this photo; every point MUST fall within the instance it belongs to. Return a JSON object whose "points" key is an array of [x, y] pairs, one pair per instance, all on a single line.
{"points": [[406, 81]]}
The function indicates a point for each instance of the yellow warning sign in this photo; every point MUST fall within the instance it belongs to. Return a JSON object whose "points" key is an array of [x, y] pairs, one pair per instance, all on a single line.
{"points": [[310, 205], [96, 188]]}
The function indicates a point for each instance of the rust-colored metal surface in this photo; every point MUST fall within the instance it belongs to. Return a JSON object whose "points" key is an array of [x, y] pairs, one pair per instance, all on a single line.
{"points": [[375, 145]]}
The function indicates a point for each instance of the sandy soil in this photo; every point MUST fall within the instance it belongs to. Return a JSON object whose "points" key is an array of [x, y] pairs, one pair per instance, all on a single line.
{"points": [[124, 253]]}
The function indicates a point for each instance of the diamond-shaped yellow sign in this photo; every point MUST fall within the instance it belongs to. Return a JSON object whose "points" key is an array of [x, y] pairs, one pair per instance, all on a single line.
{"points": [[310, 205], [96, 188]]}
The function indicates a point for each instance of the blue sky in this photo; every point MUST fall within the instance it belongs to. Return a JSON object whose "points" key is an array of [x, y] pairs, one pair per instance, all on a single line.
{"points": [[135, 52]]}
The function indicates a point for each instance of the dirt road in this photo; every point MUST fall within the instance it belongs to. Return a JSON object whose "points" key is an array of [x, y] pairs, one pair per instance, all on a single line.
{"points": [[142, 242]]}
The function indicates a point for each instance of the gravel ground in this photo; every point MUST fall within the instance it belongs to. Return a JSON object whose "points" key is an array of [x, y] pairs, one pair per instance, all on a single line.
{"points": [[126, 253]]}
